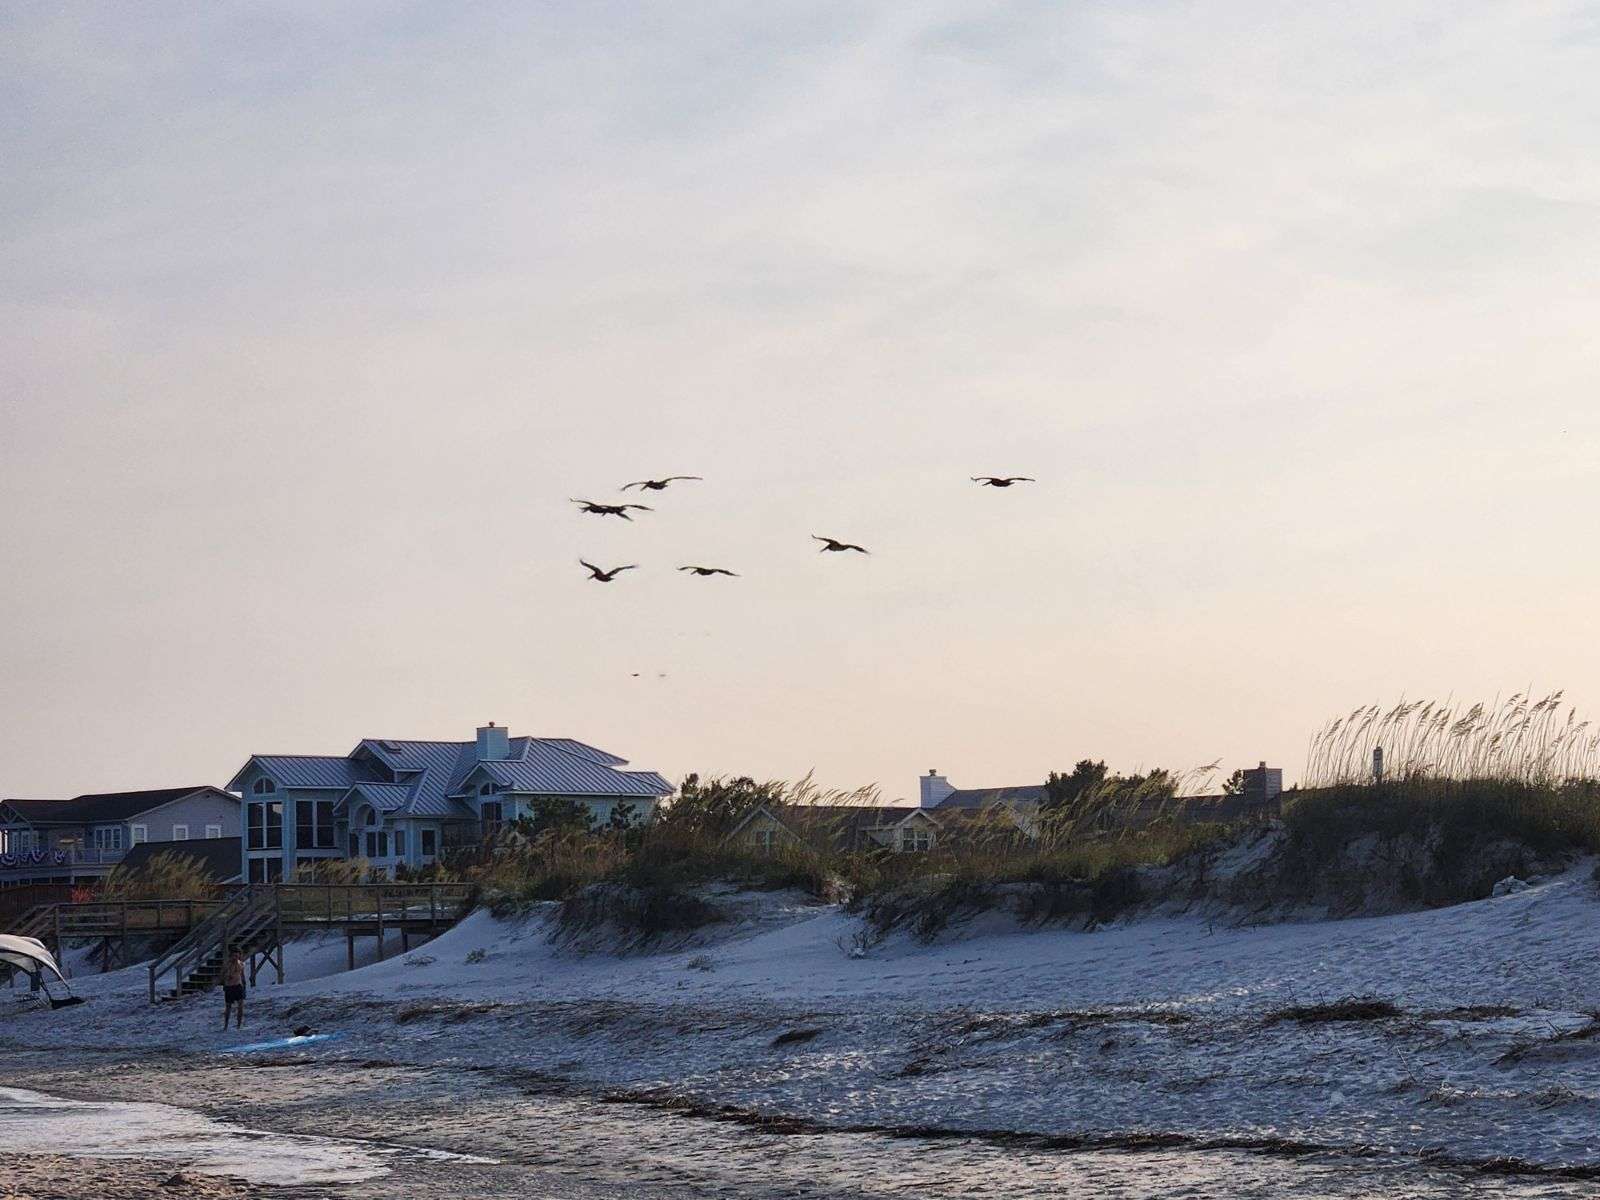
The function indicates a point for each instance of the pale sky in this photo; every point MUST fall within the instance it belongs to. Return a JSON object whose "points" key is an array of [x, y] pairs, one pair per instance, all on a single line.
{"points": [[312, 317]]}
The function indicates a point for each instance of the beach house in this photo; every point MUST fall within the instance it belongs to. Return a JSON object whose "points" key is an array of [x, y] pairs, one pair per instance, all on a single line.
{"points": [[401, 803], [80, 840]]}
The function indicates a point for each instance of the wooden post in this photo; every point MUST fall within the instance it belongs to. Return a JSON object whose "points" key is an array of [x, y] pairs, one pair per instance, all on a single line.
{"points": [[57, 911], [433, 905], [380, 924], [350, 944], [277, 932]]}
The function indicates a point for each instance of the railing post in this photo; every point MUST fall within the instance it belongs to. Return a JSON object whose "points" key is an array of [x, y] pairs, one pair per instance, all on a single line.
{"points": [[380, 924], [433, 905]]}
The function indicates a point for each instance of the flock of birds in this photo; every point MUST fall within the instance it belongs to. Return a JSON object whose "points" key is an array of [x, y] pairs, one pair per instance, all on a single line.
{"points": [[829, 545]]}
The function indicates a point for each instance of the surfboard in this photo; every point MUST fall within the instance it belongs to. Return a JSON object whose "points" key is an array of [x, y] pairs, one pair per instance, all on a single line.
{"points": [[285, 1043]]}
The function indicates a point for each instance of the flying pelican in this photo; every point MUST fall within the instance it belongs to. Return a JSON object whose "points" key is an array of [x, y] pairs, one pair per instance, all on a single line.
{"points": [[611, 510], [599, 576], [710, 571], [656, 485], [1002, 481], [834, 544]]}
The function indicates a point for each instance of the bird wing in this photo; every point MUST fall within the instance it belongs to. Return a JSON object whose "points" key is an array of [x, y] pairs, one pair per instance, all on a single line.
{"points": [[722, 571], [629, 567], [1023, 479], [814, 537], [853, 546], [591, 567], [640, 507], [983, 479], [671, 478], [636, 483], [583, 503]]}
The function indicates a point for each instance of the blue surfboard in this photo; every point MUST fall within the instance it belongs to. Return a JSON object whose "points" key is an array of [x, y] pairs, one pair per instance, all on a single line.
{"points": [[285, 1043]]}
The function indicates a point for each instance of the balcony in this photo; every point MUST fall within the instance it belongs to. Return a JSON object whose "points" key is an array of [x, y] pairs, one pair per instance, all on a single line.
{"points": [[57, 858]]}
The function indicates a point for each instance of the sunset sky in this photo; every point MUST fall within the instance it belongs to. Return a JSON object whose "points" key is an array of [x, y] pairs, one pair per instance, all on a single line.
{"points": [[313, 317]]}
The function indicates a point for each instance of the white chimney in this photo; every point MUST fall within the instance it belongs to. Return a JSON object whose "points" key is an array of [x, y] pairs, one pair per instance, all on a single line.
{"points": [[493, 742], [932, 788]]}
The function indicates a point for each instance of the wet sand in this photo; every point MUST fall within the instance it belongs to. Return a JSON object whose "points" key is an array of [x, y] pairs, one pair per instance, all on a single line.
{"points": [[553, 1142], [54, 1177]]}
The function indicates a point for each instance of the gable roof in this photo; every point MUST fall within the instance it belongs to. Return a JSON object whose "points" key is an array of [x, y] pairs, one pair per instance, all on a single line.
{"points": [[34, 812], [842, 826], [413, 777], [218, 857], [105, 807], [310, 770], [1033, 793]]}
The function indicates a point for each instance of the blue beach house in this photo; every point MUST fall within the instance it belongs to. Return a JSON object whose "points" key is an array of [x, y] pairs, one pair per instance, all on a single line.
{"points": [[394, 802]]}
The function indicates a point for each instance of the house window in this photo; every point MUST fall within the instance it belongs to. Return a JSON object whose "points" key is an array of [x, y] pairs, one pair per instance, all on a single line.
{"points": [[180, 833], [490, 813], [399, 843], [264, 787], [765, 840], [265, 826], [430, 842], [916, 839], [107, 837], [486, 789], [212, 831], [378, 843], [138, 835], [313, 825], [266, 870]]}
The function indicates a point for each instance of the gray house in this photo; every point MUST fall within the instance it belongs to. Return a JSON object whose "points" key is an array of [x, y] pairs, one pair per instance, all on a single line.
{"points": [[80, 840], [400, 803]]}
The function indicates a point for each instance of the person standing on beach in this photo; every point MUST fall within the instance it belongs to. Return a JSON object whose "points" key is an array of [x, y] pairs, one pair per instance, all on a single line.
{"points": [[233, 988]]}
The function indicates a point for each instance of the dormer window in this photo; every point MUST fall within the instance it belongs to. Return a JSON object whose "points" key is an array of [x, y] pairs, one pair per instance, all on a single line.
{"points": [[264, 787], [486, 789]]}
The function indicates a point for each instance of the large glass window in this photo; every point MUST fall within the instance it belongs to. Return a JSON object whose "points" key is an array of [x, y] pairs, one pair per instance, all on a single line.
{"points": [[265, 826], [490, 813], [266, 870], [378, 843], [430, 843], [313, 824]]}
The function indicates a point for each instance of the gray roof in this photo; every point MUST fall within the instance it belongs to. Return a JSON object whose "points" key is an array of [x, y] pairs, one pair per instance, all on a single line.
{"points": [[1032, 793], [551, 769], [312, 770], [218, 857], [104, 807], [420, 778]]}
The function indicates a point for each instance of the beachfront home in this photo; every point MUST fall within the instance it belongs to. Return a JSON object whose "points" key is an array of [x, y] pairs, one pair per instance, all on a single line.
{"points": [[81, 839], [401, 803], [843, 828], [1259, 795]]}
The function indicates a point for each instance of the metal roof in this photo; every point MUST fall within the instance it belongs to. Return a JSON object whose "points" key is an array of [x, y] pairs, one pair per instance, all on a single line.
{"points": [[420, 778], [385, 797], [552, 770], [311, 770], [1034, 793]]}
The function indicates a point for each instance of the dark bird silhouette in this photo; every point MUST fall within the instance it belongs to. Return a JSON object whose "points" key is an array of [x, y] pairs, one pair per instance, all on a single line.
{"points": [[710, 571], [600, 576], [1002, 481], [656, 485], [611, 510], [834, 544]]}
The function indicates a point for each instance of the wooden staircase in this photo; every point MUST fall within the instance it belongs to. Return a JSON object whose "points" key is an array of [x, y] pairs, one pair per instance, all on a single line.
{"points": [[248, 922]]}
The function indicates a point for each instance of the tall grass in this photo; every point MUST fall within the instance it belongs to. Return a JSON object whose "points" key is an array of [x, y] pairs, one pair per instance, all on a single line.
{"points": [[170, 875], [1521, 739]]}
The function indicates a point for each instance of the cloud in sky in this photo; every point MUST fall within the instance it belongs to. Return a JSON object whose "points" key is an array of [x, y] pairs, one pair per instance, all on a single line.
{"points": [[312, 317]]}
